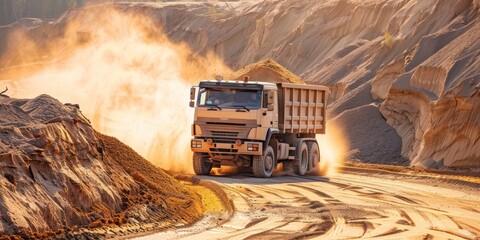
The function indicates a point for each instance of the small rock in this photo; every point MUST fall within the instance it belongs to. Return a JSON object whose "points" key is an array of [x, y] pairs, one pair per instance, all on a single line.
{"points": [[110, 234], [132, 221]]}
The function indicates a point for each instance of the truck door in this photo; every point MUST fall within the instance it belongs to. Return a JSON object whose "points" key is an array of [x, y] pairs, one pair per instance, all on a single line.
{"points": [[269, 109]]}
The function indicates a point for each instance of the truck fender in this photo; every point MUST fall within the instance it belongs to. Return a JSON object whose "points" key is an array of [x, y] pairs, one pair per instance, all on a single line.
{"points": [[298, 142], [270, 132]]}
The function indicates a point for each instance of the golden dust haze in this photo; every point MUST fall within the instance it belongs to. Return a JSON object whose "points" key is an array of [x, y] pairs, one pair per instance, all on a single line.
{"points": [[333, 149], [129, 79]]}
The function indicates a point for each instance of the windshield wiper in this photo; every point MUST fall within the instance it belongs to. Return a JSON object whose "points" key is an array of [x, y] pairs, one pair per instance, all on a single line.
{"points": [[248, 109], [215, 105]]}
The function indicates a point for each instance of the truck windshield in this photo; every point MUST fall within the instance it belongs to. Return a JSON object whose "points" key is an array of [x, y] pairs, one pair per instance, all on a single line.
{"points": [[229, 98]]}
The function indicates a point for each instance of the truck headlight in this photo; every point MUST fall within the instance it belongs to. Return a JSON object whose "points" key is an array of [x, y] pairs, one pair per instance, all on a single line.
{"points": [[252, 147], [196, 143]]}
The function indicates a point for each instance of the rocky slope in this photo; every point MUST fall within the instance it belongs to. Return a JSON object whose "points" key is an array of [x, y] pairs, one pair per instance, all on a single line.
{"points": [[57, 172], [404, 73]]}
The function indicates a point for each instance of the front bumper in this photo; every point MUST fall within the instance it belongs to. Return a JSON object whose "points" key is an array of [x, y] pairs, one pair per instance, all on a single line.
{"points": [[225, 150]]}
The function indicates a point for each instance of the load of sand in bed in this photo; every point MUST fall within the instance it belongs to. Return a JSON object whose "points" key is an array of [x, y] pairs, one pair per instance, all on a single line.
{"points": [[266, 70], [56, 172]]}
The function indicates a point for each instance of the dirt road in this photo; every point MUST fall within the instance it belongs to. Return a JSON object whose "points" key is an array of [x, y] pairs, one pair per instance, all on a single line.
{"points": [[344, 206]]}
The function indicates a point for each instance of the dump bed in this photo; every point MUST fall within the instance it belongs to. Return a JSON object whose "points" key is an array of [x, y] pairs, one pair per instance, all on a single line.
{"points": [[302, 108]]}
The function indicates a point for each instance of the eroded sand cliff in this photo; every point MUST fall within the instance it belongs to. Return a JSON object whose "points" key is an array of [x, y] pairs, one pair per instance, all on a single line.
{"points": [[56, 172]]}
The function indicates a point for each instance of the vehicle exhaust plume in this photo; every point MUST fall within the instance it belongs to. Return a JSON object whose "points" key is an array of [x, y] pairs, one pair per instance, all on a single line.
{"points": [[130, 80]]}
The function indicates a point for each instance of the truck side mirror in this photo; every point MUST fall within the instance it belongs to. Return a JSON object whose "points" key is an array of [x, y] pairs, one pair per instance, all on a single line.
{"points": [[270, 100], [192, 96], [192, 93]]}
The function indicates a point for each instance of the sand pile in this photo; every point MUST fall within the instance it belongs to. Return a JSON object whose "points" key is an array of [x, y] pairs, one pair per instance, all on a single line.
{"points": [[266, 71], [57, 172]]}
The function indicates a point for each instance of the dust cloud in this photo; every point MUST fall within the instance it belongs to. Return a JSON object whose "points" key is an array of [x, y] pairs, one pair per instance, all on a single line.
{"points": [[333, 149], [225, 170], [129, 79]]}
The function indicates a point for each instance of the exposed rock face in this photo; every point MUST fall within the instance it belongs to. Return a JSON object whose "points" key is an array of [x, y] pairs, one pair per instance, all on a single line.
{"points": [[385, 76], [54, 172], [434, 107], [445, 132]]}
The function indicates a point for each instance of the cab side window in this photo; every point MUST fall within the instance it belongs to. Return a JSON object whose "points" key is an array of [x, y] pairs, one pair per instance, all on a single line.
{"points": [[265, 99]]}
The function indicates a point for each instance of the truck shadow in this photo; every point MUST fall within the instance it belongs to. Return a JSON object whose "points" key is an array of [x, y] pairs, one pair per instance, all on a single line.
{"points": [[247, 178]]}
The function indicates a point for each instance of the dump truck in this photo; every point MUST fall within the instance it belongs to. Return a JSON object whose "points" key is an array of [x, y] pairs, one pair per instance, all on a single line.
{"points": [[257, 125]]}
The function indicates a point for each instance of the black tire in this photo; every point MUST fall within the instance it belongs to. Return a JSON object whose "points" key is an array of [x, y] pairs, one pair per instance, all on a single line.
{"points": [[302, 163], [200, 164], [263, 165], [313, 156]]}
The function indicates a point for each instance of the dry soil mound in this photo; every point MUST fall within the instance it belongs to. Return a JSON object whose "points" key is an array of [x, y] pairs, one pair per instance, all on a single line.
{"points": [[55, 172]]}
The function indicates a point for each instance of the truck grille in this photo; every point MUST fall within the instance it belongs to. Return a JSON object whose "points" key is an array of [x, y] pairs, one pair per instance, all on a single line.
{"points": [[222, 131], [224, 134], [231, 129], [223, 151], [225, 154]]}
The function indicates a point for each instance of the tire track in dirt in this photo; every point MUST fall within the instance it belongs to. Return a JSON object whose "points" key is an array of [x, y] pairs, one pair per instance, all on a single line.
{"points": [[339, 207]]}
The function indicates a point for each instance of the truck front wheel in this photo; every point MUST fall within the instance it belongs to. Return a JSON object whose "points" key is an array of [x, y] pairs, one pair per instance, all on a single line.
{"points": [[263, 165], [200, 164]]}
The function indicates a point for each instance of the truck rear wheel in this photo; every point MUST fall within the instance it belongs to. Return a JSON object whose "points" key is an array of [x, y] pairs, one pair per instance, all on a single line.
{"points": [[313, 156], [302, 163], [299, 166], [200, 164], [263, 165]]}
